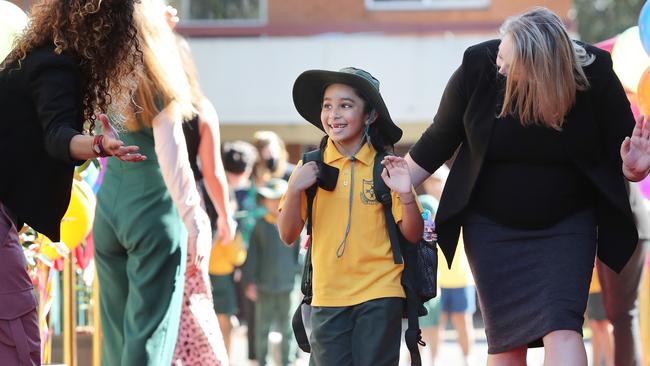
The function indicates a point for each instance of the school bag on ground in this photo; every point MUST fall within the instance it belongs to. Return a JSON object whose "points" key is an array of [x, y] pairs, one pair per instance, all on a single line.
{"points": [[418, 278]]}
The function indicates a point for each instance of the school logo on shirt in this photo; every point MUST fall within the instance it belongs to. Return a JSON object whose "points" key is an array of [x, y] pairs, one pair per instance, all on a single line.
{"points": [[368, 193]]}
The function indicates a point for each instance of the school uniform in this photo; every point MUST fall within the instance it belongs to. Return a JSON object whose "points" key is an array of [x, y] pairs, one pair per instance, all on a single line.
{"points": [[457, 291], [271, 266], [357, 300]]}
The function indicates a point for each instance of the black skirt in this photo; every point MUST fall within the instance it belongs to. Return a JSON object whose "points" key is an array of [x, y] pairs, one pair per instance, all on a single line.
{"points": [[530, 282]]}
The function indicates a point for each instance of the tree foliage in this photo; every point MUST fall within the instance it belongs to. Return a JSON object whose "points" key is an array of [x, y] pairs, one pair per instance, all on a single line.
{"points": [[598, 20]]}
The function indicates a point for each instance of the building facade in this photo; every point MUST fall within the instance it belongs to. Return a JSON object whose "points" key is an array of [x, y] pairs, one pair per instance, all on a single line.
{"points": [[249, 52]]}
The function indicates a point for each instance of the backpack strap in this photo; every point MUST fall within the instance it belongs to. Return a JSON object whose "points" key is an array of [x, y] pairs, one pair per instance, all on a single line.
{"points": [[297, 322], [314, 155], [412, 336], [382, 194], [317, 156]]}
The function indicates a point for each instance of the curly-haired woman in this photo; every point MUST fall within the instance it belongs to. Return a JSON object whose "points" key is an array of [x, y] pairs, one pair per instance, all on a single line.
{"points": [[75, 58]]}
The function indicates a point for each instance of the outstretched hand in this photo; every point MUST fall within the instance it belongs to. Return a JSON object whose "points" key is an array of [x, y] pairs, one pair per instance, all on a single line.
{"points": [[635, 151], [396, 174], [114, 146]]}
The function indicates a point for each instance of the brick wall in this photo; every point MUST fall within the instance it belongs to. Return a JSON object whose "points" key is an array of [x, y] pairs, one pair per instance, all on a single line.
{"points": [[309, 17], [284, 12]]}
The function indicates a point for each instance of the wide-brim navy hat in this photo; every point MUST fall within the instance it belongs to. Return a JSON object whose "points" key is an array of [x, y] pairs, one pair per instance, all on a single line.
{"points": [[310, 86]]}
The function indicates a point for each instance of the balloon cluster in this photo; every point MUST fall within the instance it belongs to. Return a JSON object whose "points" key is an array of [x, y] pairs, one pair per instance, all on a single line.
{"points": [[631, 62]]}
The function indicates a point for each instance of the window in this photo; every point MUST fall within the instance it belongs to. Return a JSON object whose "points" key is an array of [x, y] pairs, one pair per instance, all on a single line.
{"points": [[221, 12], [425, 4]]}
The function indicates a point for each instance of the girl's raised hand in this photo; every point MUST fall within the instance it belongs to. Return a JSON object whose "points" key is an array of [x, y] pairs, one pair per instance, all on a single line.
{"points": [[303, 177], [396, 174]]}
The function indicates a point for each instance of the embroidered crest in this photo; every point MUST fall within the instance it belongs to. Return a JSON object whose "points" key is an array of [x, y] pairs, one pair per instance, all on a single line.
{"points": [[368, 193]]}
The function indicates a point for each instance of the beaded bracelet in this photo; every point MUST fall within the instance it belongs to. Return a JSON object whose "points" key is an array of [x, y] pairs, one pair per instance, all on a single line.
{"points": [[98, 146]]}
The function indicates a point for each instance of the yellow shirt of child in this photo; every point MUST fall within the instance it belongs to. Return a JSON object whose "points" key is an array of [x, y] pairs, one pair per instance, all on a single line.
{"points": [[459, 275], [366, 269], [594, 286], [224, 258]]}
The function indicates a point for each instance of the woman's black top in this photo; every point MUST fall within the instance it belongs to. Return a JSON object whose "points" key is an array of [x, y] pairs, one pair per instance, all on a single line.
{"points": [[41, 104], [590, 139], [528, 180]]}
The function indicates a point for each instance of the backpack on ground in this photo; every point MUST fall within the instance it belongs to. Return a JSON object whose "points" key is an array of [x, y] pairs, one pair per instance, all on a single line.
{"points": [[418, 278]]}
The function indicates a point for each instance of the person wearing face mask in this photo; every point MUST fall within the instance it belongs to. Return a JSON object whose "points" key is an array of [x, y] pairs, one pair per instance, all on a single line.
{"points": [[542, 127], [273, 158]]}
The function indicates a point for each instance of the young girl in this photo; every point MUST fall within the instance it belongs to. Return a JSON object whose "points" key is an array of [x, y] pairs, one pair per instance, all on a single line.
{"points": [[357, 296]]}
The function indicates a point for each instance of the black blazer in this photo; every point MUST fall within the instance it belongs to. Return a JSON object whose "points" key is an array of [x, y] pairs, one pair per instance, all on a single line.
{"points": [[594, 130], [41, 106]]}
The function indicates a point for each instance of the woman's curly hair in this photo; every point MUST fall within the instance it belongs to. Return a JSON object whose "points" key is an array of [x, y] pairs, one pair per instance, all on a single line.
{"points": [[101, 35]]}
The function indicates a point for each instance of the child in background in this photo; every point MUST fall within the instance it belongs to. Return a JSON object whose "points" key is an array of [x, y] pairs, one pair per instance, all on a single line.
{"points": [[458, 299], [238, 160], [602, 342], [269, 276]]}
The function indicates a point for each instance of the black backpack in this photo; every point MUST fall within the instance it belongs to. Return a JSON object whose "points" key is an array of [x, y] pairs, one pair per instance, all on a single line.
{"points": [[418, 278]]}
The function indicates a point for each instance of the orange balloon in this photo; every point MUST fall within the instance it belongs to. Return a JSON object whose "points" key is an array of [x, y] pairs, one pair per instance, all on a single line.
{"points": [[643, 93]]}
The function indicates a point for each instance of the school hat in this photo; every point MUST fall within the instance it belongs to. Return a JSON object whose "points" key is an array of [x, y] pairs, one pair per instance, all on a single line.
{"points": [[308, 96], [273, 189]]}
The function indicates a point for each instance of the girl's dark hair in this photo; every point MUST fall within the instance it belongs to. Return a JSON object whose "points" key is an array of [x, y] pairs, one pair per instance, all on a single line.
{"points": [[377, 141]]}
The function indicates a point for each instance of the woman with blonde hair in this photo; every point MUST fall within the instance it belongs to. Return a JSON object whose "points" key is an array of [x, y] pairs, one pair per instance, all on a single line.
{"points": [[539, 181], [74, 59], [200, 340], [149, 220]]}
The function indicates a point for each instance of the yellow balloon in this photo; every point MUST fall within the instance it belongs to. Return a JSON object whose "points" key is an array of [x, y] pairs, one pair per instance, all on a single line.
{"points": [[629, 58], [77, 221], [224, 258], [12, 22]]}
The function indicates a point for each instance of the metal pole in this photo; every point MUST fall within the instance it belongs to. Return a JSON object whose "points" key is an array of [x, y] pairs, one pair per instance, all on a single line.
{"points": [[69, 314], [97, 324]]}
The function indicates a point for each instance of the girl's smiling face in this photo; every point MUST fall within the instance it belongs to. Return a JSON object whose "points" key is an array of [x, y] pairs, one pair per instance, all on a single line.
{"points": [[343, 116]]}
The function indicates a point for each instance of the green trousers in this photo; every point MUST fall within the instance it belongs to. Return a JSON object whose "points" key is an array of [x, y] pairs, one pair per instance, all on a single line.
{"points": [[367, 334], [273, 310], [140, 253]]}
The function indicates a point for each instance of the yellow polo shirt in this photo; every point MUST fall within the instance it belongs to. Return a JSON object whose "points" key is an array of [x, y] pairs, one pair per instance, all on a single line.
{"points": [[594, 286], [366, 270], [460, 275]]}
